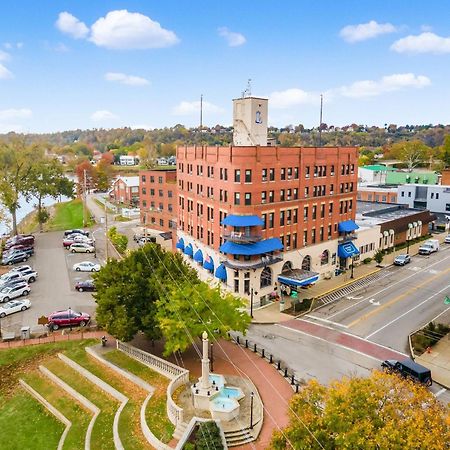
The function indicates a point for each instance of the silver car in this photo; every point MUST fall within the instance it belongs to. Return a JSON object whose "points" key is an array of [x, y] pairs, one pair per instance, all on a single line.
{"points": [[81, 247], [17, 290], [14, 306], [401, 260]]}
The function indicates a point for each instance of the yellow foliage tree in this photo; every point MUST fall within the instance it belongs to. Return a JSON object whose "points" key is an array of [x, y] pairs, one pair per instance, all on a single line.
{"points": [[383, 411]]}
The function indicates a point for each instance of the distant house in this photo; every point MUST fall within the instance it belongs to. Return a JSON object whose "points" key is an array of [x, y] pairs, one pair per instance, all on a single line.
{"points": [[125, 190], [125, 160], [162, 162]]}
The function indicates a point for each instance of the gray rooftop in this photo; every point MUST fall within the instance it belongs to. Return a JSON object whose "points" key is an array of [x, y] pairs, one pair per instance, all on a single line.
{"points": [[384, 211]]}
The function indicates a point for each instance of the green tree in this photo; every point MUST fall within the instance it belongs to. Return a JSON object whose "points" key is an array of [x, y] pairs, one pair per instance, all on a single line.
{"points": [[187, 309], [47, 179], [445, 151], [412, 153], [17, 161], [378, 257], [102, 175], [383, 411]]}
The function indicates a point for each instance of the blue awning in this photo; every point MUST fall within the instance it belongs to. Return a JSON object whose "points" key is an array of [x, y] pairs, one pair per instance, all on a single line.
{"points": [[347, 226], [298, 282], [198, 256], [258, 248], [180, 244], [188, 250], [209, 264], [347, 250], [221, 273], [242, 221]]}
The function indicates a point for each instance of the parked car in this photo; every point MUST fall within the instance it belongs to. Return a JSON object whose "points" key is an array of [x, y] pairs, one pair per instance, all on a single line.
{"points": [[14, 258], [86, 266], [447, 239], [14, 306], [9, 292], [409, 369], [430, 246], [28, 249], [87, 285], [29, 275], [10, 276], [81, 247], [401, 260], [76, 238], [76, 231], [68, 318], [145, 239], [21, 268], [20, 240]]}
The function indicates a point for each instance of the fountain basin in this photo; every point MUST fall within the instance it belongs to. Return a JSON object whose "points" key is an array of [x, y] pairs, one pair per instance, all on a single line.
{"points": [[224, 408], [231, 392], [217, 380]]}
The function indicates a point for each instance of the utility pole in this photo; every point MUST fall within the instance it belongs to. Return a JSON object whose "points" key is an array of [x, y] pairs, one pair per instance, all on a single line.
{"points": [[84, 198], [106, 232]]}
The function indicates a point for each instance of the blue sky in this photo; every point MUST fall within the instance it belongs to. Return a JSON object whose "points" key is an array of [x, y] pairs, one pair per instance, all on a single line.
{"points": [[109, 63]]}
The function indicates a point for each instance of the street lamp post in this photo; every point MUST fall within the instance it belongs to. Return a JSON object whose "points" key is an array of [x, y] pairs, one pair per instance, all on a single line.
{"points": [[251, 303], [251, 410], [351, 275], [408, 236]]}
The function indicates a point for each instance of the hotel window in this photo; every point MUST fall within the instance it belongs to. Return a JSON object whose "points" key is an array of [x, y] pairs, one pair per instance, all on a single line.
{"points": [[307, 172], [248, 198], [152, 179], [331, 189], [237, 176], [169, 207], [295, 194], [294, 240], [161, 207], [329, 232], [283, 174], [321, 234], [296, 173], [288, 216], [160, 180], [289, 173], [169, 194], [316, 171], [350, 205], [161, 222], [236, 286], [306, 192], [322, 210], [264, 218], [152, 204], [282, 195], [313, 236], [161, 193], [343, 169], [289, 194], [281, 218], [305, 237], [143, 178], [330, 208], [332, 170], [237, 198], [271, 174], [324, 171], [248, 176], [263, 196], [271, 219], [271, 196], [144, 191], [295, 215], [264, 175], [152, 192], [144, 203], [225, 174], [288, 241], [305, 212], [314, 212]]}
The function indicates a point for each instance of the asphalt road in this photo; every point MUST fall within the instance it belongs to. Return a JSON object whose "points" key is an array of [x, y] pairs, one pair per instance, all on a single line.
{"points": [[54, 287], [385, 313]]}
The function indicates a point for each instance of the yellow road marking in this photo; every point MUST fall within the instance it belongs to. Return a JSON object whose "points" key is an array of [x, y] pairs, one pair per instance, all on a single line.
{"points": [[396, 299]]}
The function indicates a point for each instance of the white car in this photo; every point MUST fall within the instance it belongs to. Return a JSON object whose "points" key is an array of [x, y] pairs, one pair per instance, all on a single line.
{"points": [[81, 247], [14, 306], [447, 239], [21, 268], [86, 266], [9, 292]]}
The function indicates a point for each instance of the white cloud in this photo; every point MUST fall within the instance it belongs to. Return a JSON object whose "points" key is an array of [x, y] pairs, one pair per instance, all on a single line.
{"points": [[10, 127], [22, 113], [233, 39], [5, 73], [69, 24], [11, 45], [363, 31], [423, 43], [4, 56], [185, 108], [124, 30], [103, 115], [130, 80], [292, 97], [389, 83]]}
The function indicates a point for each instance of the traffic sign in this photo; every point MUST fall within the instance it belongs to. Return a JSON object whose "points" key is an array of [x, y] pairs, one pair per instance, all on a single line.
{"points": [[42, 320], [447, 300]]}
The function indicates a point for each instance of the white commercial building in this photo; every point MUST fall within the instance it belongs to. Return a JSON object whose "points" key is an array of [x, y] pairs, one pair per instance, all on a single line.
{"points": [[434, 198]]}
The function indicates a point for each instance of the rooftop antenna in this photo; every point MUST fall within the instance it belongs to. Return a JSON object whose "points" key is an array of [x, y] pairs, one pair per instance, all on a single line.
{"points": [[248, 90], [320, 125]]}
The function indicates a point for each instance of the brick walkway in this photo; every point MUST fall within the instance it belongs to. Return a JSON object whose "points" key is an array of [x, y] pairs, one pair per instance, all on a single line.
{"points": [[274, 390], [58, 337], [344, 339]]}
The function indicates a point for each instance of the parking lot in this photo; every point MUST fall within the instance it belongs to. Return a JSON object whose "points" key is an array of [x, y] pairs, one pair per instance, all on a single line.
{"points": [[54, 289]]}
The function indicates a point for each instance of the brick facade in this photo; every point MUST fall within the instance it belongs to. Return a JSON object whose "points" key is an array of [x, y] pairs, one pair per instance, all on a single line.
{"points": [[125, 190]]}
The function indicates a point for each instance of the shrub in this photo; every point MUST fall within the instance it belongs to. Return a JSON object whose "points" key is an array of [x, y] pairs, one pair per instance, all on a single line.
{"points": [[120, 241], [379, 255], [367, 260], [428, 336]]}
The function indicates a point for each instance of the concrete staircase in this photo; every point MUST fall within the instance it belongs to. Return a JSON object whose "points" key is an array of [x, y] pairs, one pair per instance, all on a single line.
{"points": [[179, 430], [239, 437]]}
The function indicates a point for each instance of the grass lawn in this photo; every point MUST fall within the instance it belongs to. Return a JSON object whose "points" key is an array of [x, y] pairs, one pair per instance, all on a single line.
{"points": [[102, 433], [129, 424], [156, 414], [102, 205], [26, 424], [79, 417], [67, 215]]}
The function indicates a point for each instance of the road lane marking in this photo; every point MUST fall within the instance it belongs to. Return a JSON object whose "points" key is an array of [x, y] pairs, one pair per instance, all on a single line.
{"points": [[407, 312], [387, 287], [373, 302], [439, 393], [326, 321], [355, 298]]}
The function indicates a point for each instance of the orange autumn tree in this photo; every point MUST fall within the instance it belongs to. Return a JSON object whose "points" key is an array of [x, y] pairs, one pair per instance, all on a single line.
{"points": [[380, 412]]}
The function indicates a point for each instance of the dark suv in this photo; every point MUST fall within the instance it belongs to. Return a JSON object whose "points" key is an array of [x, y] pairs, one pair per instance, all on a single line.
{"points": [[67, 318], [409, 369]]}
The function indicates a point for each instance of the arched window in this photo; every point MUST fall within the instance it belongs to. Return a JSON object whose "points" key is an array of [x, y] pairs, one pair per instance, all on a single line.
{"points": [[266, 277], [287, 266], [306, 263], [324, 257]]}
